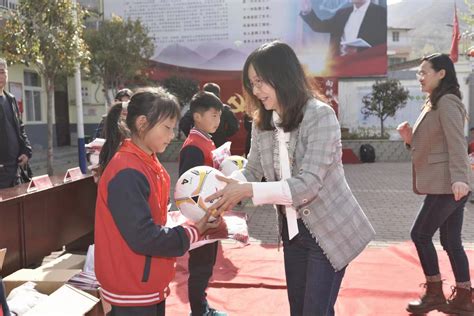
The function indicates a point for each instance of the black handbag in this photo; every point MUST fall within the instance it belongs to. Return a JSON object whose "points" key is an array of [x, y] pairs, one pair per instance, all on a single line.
{"points": [[25, 173]]}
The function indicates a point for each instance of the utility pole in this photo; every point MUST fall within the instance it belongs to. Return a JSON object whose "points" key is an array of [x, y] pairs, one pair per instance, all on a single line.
{"points": [[80, 115]]}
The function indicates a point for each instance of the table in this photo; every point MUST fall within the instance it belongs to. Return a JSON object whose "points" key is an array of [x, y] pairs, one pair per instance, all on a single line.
{"points": [[32, 225]]}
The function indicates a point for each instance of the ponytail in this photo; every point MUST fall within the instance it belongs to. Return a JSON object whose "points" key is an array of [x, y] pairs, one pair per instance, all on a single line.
{"points": [[155, 103], [115, 133]]}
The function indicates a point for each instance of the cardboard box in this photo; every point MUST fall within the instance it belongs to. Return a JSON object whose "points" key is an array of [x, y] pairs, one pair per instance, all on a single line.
{"points": [[3, 252], [67, 300], [98, 309], [47, 281], [65, 262]]}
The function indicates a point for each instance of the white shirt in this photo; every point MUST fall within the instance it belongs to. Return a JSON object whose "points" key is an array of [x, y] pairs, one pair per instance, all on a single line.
{"points": [[276, 192], [352, 27]]}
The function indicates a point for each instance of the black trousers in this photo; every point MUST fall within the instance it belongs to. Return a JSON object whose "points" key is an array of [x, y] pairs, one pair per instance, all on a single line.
{"points": [[8, 176], [201, 263], [152, 310]]}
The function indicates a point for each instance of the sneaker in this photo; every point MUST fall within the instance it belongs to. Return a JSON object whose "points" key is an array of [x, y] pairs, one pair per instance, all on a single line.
{"points": [[213, 312]]}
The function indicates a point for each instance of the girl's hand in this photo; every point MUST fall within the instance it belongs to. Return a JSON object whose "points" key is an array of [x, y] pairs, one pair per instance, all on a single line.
{"points": [[232, 194], [460, 190], [203, 224]]}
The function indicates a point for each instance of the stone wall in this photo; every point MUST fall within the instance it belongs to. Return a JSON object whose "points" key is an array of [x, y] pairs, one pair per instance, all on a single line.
{"points": [[385, 150]]}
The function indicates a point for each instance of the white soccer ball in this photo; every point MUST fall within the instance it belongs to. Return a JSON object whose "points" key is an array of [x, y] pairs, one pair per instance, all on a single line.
{"points": [[232, 163], [193, 187]]}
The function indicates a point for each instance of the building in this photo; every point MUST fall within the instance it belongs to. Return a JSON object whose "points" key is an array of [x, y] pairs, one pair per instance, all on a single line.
{"points": [[398, 45], [29, 88]]}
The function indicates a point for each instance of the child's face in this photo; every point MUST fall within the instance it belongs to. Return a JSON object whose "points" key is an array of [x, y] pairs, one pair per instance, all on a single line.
{"points": [[160, 135], [207, 121]]}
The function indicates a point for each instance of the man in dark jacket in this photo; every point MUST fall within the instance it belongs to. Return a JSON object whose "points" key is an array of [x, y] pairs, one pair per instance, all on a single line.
{"points": [[228, 126], [362, 20], [15, 148]]}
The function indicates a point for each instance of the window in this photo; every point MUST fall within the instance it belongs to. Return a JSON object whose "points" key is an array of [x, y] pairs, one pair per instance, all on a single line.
{"points": [[396, 60], [396, 36], [6, 4], [32, 96]]}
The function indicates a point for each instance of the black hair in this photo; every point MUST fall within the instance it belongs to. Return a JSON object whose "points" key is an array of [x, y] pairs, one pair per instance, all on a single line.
{"points": [[156, 104], [212, 88], [449, 84], [278, 66], [123, 93], [203, 101]]}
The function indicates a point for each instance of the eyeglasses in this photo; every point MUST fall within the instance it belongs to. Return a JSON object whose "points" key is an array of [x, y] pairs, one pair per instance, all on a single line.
{"points": [[421, 74], [258, 83]]}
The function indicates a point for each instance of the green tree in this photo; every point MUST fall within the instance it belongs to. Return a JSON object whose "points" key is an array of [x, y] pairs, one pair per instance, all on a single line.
{"points": [[469, 16], [46, 35], [386, 99], [183, 88], [469, 19], [120, 50]]}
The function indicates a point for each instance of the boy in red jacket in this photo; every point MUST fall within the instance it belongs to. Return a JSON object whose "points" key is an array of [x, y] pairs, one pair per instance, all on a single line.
{"points": [[197, 149]]}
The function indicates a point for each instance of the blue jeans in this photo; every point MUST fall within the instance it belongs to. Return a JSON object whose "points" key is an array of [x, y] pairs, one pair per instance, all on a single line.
{"points": [[443, 212], [312, 283]]}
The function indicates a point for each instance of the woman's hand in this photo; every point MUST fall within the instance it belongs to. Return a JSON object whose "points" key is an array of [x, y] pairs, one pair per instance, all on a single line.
{"points": [[460, 190], [233, 193], [305, 6], [405, 131]]}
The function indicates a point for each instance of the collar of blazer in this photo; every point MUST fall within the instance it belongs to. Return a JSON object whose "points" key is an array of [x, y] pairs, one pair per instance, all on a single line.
{"points": [[266, 143], [426, 109]]}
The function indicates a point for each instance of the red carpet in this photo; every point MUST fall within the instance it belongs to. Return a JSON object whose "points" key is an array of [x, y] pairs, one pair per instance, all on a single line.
{"points": [[348, 156], [251, 281]]}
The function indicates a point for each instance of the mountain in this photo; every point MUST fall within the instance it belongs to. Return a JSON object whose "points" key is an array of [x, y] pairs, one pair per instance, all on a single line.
{"points": [[209, 50], [176, 54], [430, 21], [229, 59]]}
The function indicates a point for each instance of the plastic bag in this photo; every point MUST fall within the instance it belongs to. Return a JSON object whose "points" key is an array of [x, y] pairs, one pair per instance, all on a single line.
{"points": [[89, 264], [23, 298], [221, 153], [236, 225]]}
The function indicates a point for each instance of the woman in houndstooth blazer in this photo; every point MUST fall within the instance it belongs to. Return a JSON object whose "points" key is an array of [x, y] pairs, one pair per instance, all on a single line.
{"points": [[296, 146], [441, 170]]}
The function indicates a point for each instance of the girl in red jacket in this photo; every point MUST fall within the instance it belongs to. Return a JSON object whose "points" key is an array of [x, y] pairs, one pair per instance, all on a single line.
{"points": [[134, 251]]}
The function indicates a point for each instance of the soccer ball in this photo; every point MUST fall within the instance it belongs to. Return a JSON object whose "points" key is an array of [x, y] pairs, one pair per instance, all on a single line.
{"points": [[232, 163], [193, 187]]}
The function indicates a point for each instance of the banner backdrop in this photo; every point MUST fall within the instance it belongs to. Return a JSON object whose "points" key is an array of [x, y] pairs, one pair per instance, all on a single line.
{"points": [[220, 34]]}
